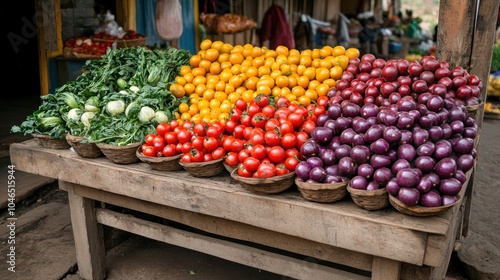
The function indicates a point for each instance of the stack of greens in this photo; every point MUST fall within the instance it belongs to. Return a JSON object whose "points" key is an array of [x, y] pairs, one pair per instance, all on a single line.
{"points": [[117, 100]]}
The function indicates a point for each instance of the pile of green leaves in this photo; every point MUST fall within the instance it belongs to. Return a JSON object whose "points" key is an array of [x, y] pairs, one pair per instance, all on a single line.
{"points": [[138, 76], [495, 59]]}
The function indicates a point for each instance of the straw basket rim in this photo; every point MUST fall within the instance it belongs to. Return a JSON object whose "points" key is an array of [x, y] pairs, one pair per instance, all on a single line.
{"points": [[120, 154], [420, 211], [50, 142], [272, 185], [369, 199], [205, 168], [160, 163], [322, 192], [85, 150]]}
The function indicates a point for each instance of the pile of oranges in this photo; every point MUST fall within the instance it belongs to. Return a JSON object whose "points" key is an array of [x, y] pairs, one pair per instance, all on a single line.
{"points": [[219, 74]]}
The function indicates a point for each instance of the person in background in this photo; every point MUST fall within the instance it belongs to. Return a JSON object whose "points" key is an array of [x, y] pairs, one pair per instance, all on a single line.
{"points": [[368, 35]]}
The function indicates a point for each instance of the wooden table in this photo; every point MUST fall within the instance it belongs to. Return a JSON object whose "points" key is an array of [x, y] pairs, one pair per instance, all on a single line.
{"points": [[336, 241]]}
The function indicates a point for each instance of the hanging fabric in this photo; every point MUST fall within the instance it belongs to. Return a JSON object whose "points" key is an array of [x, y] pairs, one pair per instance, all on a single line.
{"points": [[169, 19], [276, 29], [145, 10]]}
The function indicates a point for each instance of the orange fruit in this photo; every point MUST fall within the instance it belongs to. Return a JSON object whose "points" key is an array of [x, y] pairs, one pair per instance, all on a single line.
{"points": [[310, 73], [236, 58], [338, 50], [194, 60], [215, 68], [336, 72], [206, 44], [325, 51], [303, 81], [352, 53], [217, 45], [205, 64], [177, 90], [322, 74], [198, 71]]}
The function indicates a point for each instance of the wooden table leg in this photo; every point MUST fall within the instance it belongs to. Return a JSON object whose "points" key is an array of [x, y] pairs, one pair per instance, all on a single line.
{"points": [[385, 269], [88, 235]]}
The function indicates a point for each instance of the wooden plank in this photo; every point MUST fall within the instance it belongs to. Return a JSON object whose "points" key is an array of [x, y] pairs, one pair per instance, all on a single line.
{"points": [[88, 235], [242, 254], [454, 42], [235, 230], [385, 269], [341, 224]]}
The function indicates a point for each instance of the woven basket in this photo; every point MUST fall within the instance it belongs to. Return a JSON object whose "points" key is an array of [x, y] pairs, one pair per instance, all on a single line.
{"points": [[419, 211], [273, 185], [139, 42], [160, 163], [369, 199], [322, 192], [85, 150], [120, 154], [204, 169], [473, 109], [51, 143], [230, 168]]}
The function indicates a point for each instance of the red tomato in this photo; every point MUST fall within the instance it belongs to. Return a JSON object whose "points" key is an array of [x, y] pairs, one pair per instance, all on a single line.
{"points": [[187, 125], [169, 150], [218, 153], [259, 152], [150, 151], [271, 124], [186, 147], [253, 109], [276, 154], [247, 132], [196, 155], [207, 157], [186, 157], [308, 126], [293, 152], [238, 131], [301, 139], [246, 120], [282, 113], [251, 164], [162, 128], [259, 120], [243, 154], [144, 146], [213, 131], [302, 111], [230, 125], [197, 142], [219, 125], [210, 143], [257, 139], [322, 101], [243, 172], [291, 163], [272, 138], [289, 141], [178, 148], [158, 143], [231, 159], [235, 114], [296, 119], [286, 127], [149, 139], [237, 145], [281, 169], [266, 170], [226, 143], [282, 102], [241, 104], [269, 111], [262, 100], [199, 129], [183, 135], [171, 138], [318, 111]]}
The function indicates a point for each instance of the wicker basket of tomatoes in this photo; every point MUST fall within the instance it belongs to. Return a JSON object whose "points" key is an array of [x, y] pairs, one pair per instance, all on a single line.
{"points": [[130, 39], [160, 163], [204, 168], [269, 185]]}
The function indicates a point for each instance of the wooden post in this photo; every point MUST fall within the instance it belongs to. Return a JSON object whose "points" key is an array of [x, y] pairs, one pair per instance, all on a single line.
{"points": [[88, 235], [466, 38]]}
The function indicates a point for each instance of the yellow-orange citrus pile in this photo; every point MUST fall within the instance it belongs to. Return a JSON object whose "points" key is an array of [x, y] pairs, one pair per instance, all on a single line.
{"points": [[219, 74]]}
